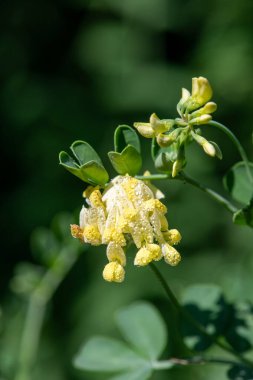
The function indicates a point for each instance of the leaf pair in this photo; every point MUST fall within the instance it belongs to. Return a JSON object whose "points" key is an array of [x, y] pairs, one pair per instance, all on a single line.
{"points": [[239, 184], [144, 330], [126, 159], [87, 165]]}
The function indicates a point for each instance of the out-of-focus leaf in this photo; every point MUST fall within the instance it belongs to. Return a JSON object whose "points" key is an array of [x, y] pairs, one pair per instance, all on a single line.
{"points": [[44, 245], [127, 162], [142, 373], [239, 327], [207, 305], [238, 372], [103, 354], [26, 278], [237, 182], [244, 216], [143, 327]]}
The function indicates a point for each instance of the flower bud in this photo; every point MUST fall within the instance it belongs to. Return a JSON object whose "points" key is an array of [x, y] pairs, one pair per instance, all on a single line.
{"points": [[171, 255], [166, 140], [147, 254], [209, 149], [176, 168], [145, 130], [201, 90], [115, 252], [203, 119], [173, 236], [206, 145], [114, 272], [208, 108]]}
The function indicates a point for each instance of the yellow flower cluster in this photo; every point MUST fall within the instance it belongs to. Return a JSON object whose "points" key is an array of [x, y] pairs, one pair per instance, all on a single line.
{"points": [[127, 211]]}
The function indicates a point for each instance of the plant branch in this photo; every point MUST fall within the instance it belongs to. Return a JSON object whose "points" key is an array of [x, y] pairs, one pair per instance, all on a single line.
{"points": [[183, 177], [36, 309], [188, 317], [195, 360], [237, 144], [213, 194]]}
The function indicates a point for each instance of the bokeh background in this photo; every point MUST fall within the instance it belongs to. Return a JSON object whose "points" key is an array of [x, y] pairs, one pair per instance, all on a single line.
{"points": [[75, 69]]}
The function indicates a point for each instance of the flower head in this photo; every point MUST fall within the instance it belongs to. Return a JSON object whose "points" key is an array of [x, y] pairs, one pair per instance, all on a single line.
{"points": [[127, 211]]}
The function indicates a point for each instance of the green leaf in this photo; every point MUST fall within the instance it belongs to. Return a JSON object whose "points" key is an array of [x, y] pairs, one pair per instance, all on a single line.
{"points": [[125, 135], [84, 152], [143, 327], [91, 172], [103, 354], [127, 162], [240, 372], [244, 217], [164, 157], [142, 373], [237, 183], [94, 173]]}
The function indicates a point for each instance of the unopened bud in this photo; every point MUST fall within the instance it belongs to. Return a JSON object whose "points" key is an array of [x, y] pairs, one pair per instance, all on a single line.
{"points": [[210, 107], [145, 130], [209, 149], [159, 126], [201, 90], [203, 119], [114, 272], [171, 255], [176, 168]]}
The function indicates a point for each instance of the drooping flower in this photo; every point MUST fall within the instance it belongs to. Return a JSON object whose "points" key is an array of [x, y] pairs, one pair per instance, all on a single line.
{"points": [[127, 211]]}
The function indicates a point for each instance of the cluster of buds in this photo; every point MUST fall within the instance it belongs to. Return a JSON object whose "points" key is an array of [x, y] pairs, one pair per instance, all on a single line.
{"points": [[195, 109], [127, 211]]}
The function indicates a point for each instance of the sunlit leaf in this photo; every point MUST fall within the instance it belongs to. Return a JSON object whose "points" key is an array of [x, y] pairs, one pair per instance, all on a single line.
{"points": [[84, 152], [103, 354], [127, 162], [142, 373], [143, 327]]}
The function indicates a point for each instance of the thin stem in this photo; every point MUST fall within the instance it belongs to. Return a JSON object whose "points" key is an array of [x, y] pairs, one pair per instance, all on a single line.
{"points": [[183, 177], [188, 317], [213, 194], [199, 360], [153, 177], [37, 303], [237, 143]]}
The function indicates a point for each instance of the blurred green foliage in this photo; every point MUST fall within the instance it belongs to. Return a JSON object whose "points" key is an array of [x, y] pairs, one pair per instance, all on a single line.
{"points": [[75, 69]]}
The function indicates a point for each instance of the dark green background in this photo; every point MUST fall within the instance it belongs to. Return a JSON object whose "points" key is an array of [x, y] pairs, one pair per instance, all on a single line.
{"points": [[75, 70]]}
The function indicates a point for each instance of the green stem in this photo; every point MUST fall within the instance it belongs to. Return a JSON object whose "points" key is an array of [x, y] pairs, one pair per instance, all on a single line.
{"points": [[188, 317], [37, 303], [236, 142], [153, 177], [167, 364], [213, 194], [183, 177]]}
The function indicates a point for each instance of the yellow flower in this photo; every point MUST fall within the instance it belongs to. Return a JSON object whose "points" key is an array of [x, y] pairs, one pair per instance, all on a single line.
{"points": [[155, 126], [127, 211]]}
